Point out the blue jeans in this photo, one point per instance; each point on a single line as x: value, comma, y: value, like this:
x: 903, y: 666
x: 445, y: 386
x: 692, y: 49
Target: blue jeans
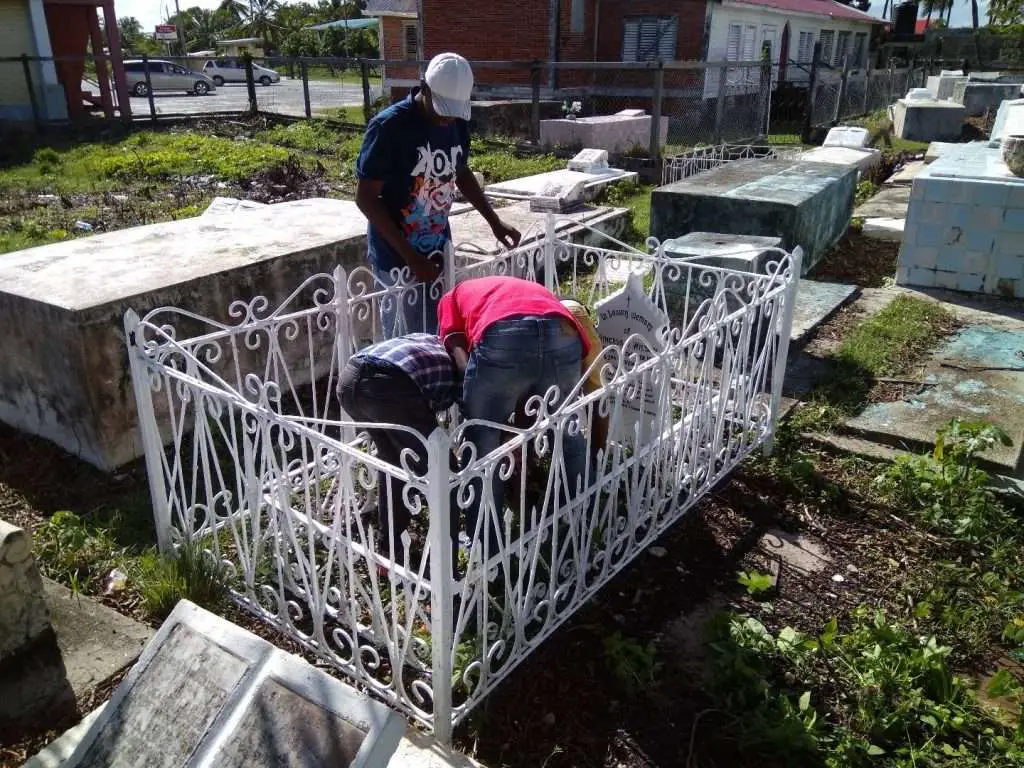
x: 515, y: 359
x: 413, y: 310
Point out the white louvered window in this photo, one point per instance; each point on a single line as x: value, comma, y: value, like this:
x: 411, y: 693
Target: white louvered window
x: 805, y: 48
x: 826, y: 38
x: 410, y: 41
x: 650, y: 38
x: 859, y: 49
x: 732, y: 46
x: 842, y: 49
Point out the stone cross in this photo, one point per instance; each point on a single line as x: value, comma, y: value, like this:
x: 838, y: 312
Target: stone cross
x: 627, y: 313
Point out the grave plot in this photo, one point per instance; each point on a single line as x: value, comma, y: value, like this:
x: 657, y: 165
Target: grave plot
x: 250, y: 459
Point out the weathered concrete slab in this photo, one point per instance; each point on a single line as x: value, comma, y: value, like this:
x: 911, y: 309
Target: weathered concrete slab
x: 529, y: 186
x: 795, y: 550
x: 853, y: 136
x: 23, y: 612
x: 615, y: 133
x: 979, y: 392
x: 886, y: 229
x: 806, y: 204
x: 1009, y: 121
x: 890, y: 202
x: 905, y: 176
x: 223, y: 206
x: 65, y: 373
x: 931, y: 120
x: 815, y: 303
x: 89, y: 644
x: 224, y: 696
x: 936, y: 150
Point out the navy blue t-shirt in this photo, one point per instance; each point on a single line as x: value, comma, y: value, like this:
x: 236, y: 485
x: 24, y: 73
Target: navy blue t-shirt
x: 418, y: 162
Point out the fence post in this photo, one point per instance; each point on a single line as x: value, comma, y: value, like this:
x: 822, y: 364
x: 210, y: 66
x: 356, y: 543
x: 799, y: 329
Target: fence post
x: 250, y: 83
x: 442, y: 581
x: 890, y: 83
x: 811, y: 95
x: 723, y: 84
x: 304, y: 73
x: 843, y: 85
x: 31, y: 90
x: 149, y: 430
x: 535, y: 75
x: 782, y: 356
x: 657, y: 105
x: 867, y: 87
x: 765, y: 89
x: 364, y: 73
x: 149, y: 88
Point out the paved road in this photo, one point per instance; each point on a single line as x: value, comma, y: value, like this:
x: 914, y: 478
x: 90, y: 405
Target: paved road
x: 284, y: 98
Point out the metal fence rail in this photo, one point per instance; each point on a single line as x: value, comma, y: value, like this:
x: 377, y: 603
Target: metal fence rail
x: 262, y: 472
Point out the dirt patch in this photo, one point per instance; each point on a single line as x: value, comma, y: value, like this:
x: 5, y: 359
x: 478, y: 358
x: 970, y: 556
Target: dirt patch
x: 859, y: 260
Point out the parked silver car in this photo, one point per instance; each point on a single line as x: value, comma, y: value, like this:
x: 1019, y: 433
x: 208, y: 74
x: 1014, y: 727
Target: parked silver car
x: 165, y: 76
x: 227, y: 70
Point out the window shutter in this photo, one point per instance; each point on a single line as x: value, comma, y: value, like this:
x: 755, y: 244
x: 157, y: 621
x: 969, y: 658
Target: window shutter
x: 827, y: 36
x: 667, y: 42
x: 843, y: 47
x: 630, y: 40
x: 806, y: 49
x: 411, y: 47
x: 749, y: 40
x: 858, y: 49
x: 648, y: 40
x: 732, y: 48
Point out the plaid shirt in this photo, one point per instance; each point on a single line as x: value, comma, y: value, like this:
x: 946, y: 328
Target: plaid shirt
x: 423, y: 358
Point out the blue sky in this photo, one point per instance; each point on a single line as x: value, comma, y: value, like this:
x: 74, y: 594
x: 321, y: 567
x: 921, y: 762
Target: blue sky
x: 151, y: 12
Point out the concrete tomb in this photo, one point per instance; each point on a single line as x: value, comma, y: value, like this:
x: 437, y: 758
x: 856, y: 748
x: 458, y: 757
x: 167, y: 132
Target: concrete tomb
x: 529, y: 186
x: 805, y: 204
x: 928, y: 120
x: 965, y: 226
x: 223, y: 696
x: 1009, y: 121
x: 941, y: 86
x: 614, y: 133
x: 978, y: 98
x: 625, y: 314
x: 65, y: 375
x: 221, y: 206
x: 708, y: 251
x: 936, y: 150
x: 558, y: 197
x: 862, y: 159
x: 852, y: 136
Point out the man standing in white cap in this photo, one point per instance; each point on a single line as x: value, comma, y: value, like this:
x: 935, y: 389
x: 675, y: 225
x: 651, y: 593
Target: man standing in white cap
x: 414, y: 155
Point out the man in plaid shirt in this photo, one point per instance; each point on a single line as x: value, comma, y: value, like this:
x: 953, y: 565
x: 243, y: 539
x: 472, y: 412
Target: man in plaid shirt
x: 407, y: 380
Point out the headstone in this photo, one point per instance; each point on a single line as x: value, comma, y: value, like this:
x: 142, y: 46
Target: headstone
x: 625, y: 314
x: 631, y: 112
x: 221, y: 206
x: 919, y: 94
x: 526, y: 187
x: 924, y: 120
x: 847, y: 136
x: 590, y: 161
x: 23, y: 612
x: 557, y: 197
x: 217, y: 690
x: 806, y: 204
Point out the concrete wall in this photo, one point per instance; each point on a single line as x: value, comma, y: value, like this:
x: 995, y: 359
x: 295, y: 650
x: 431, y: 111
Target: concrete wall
x: 23, y: 31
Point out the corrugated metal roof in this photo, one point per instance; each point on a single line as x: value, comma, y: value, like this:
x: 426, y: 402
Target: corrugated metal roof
x: 374, y: 7
x: 828, y: 8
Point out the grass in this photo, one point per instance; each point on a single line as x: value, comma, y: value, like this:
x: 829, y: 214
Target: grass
x: 637, y: 199
x: 879, y: 120
x: 888, y: 343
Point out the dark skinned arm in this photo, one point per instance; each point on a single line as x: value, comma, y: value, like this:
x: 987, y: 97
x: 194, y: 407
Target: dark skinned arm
x: 369, y: 201
x: 470, y: 189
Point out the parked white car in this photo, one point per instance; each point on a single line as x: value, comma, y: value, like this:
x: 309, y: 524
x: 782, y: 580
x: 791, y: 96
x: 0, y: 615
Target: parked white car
x: 233, y: 71
x: 165, y: 76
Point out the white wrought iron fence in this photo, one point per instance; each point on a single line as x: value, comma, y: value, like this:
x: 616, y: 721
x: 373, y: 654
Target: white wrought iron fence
x: 701, y: 159
x: 251, y: 459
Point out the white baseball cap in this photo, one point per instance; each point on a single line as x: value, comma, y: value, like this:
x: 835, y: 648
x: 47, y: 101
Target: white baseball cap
x: 450, y: 80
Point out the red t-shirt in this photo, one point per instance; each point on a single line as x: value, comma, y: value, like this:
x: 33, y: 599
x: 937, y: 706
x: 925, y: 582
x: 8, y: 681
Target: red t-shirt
x: 473, y: 306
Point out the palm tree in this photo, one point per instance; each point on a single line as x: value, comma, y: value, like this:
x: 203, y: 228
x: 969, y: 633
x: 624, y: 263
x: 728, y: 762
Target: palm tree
x: 261, y: 20
x: 236, y: 10
x: 206, y: 28
x: 974, y: 13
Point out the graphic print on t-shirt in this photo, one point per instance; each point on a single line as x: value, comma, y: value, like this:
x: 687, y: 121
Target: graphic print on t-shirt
x: 425, y: 217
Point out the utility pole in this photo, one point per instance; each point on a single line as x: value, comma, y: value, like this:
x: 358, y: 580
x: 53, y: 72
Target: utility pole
x: 179, y: 27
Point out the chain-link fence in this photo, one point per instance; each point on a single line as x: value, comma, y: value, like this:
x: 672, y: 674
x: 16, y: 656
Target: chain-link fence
x: 649, y: 109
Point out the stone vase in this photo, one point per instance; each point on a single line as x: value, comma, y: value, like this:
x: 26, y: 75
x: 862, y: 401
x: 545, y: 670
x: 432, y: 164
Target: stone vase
x: 1013, y: 154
